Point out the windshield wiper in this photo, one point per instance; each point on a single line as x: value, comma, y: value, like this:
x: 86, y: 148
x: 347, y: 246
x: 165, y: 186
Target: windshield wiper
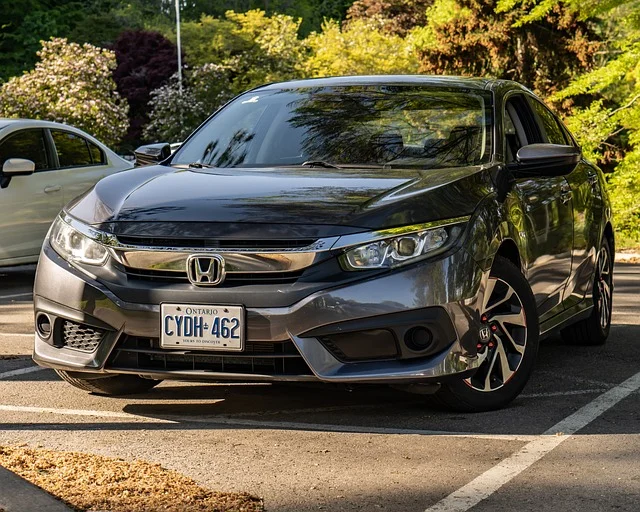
x: 198, y: 165
x: 319, y: 163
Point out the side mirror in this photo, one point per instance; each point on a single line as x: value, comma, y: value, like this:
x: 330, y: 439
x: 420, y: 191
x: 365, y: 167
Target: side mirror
x: 152, y: 153
x: 546, y: 160
x: 18, y: 167
x: 15, y: 167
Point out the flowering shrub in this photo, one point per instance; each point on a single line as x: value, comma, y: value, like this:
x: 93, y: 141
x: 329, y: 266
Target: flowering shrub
x: 175, y: 114
x: 70, y: 84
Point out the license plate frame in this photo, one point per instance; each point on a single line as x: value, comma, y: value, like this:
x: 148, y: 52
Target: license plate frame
x: 208, y: 313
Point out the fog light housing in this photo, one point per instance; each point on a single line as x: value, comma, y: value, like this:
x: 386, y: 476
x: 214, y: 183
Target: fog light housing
x: 418, y: 338
x: 43, y: 325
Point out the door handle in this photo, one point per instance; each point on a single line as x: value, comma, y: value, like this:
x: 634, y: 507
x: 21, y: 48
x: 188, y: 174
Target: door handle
x: 52, y: 188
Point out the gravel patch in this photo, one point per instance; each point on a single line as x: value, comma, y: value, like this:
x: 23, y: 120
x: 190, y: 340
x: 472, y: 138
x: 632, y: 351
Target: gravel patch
x: 94, y: 483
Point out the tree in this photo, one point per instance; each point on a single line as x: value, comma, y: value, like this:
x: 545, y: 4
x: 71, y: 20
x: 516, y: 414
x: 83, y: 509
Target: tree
x: 176, y: 113
x: 469, y: 37
x: 25, y: 23
x: 71, y: 84
x: 311, y: 12
x: 605, y: 103
x: 146, y: 60
x: 395, y: 16
x: 22, y: 27
x: 256, y: 48
x: 359, y: 48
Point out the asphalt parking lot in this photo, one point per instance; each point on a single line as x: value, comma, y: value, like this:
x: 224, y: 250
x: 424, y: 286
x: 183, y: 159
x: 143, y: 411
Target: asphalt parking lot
x: 571, y: 441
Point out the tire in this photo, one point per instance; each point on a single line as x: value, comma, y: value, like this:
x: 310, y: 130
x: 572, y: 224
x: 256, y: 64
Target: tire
x: 512, y: 344
x: 594, y: 330
x: 111, y: 385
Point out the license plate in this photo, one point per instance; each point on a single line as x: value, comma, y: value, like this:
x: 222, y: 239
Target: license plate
x: 200, y: 327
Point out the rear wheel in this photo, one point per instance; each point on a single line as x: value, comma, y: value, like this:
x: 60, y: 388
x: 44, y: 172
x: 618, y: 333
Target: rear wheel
x: 509, y: 345
x: 594, y: 330
x: 110, y: 385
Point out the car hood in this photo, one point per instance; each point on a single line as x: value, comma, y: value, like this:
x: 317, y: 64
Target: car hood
x: 340, y: 200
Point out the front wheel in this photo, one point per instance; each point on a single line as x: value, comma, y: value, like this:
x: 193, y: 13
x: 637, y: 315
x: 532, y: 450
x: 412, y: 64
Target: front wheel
x: 508, y: 342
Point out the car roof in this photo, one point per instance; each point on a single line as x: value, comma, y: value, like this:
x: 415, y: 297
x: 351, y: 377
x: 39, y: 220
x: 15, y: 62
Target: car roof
x: 12, y: 125
x: 432, y: 80
x: 34, y: 123
x: 16, y: 124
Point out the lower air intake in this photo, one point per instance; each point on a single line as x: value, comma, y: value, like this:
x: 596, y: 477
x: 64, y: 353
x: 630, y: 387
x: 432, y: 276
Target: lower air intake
x: 80, y: 337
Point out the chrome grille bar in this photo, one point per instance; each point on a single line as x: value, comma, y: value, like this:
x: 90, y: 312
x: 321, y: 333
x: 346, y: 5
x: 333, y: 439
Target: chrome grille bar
x: 176, y: 261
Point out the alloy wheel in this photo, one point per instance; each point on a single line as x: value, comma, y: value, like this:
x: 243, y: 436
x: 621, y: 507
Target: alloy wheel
x: 603, y: 283
x: 505, y: 337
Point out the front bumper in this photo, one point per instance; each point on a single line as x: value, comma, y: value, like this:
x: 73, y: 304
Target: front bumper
x: 443, y: 291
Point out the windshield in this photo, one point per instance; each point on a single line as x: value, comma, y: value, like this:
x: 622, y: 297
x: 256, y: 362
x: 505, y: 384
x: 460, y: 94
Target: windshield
x: 347, y: 126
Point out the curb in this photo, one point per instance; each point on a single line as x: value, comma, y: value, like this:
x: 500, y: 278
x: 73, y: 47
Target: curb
x: 627, y: 257
x: 18, y: 495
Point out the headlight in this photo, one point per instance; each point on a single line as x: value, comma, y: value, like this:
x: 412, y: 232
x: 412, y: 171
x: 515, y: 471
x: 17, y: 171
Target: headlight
x: 392, y: 251
x: 75, y: 246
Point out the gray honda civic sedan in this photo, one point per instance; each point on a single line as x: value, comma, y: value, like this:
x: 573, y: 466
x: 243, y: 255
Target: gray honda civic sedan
x: 421, y: 232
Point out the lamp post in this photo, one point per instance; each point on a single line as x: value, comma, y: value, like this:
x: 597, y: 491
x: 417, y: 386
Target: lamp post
x: 179, y: 45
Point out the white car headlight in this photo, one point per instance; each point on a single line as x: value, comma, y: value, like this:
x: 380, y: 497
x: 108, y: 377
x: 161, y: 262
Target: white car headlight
x: 74, y: 246
x: 392, y: 251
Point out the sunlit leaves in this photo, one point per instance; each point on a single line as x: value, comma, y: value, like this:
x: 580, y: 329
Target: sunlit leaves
x: 71, y: 84
x: 359, y: 48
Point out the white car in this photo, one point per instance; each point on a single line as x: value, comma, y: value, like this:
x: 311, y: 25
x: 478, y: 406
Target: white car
x: 44, y: 165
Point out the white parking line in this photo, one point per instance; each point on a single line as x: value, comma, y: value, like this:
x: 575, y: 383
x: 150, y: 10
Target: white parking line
x: 565, y: 393
x: 483, y: 486
x: 21, y: 371
x: 15, y: 295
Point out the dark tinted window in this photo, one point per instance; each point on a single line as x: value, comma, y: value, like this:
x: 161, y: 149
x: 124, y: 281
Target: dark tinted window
x: 349, y: 125
x: 512, y: 138
x: 28, y: 144
x: 97, y: 156
x: 550, y: 127
x: 73, y: 150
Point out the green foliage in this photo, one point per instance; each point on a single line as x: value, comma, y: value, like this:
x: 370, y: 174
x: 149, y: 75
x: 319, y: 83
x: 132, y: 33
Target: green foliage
x: 272, y: 50
x: 312, y: 12
x: 394, y: 16
x: 624, y: 187
x: 71, y: 84
x: 25, y: 23
x: 360, y: 48
x: 258, y: 48
x: 468, y: 37
x: 604, y: 104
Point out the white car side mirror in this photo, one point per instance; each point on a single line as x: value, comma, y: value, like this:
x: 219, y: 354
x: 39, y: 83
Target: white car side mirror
x: 18, y: 167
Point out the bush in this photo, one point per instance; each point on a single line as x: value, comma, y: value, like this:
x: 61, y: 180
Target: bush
x: 175, y: 114
x: 360, y: 48
x: 70, y: 84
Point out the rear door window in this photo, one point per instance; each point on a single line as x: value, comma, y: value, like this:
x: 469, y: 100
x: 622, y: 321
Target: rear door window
x: 73, y: 150
x: 97, y: 156
x: 27, y: 144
